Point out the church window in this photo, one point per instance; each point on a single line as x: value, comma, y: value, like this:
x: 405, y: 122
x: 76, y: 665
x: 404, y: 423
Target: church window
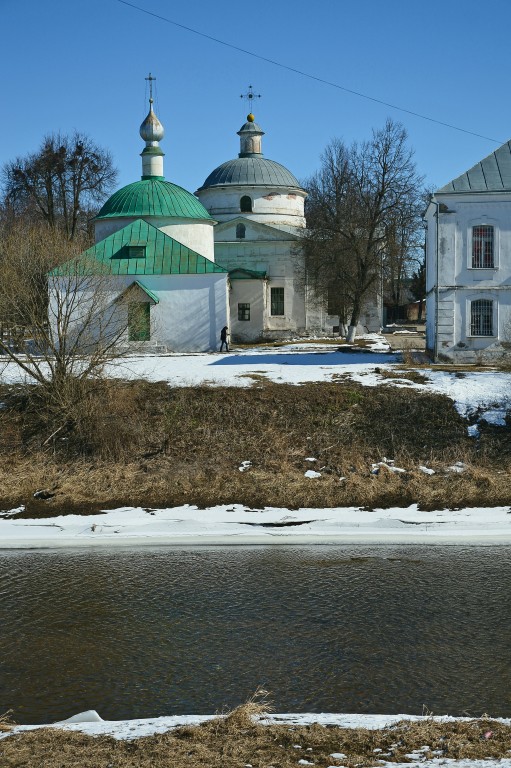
x: 277, y: 301
x: 482, y: 247
x: 246, y: 204
x: 139, y: 321
x: 240, y: 231
x: 481, y: 317
x: 244, y: 311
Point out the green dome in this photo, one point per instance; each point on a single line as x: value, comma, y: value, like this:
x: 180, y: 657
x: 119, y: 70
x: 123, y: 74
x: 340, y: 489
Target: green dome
x: 153, y: 197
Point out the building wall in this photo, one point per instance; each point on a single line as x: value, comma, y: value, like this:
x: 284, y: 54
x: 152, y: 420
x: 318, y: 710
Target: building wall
x: 453, y: 283
x: 272, y: 207
x: 189, y: 315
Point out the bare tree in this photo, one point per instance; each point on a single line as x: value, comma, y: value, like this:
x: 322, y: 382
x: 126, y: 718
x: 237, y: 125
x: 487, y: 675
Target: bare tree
x: 60, y: 322
x: 355, y: 203
x: 62, y: 183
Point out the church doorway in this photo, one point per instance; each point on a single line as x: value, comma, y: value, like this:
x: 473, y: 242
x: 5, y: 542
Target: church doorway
x: 139, y: 321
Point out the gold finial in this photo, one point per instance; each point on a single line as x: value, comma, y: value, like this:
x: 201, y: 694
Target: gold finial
x: 250, y: 118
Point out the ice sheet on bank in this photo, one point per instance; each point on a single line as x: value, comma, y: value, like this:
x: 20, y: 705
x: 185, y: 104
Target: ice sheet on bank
x: 235, y: 524
x: 135, y: 729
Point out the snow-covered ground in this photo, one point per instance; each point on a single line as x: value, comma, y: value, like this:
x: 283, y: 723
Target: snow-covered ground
x: 474, y: 392
x: 92, y: 724
x: 238, y: 525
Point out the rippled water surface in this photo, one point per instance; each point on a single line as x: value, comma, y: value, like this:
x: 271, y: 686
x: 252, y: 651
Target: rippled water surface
x: 172, y: 631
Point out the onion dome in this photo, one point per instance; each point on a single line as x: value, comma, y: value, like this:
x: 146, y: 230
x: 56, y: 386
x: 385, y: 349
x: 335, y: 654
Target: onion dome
x: 151, y: 130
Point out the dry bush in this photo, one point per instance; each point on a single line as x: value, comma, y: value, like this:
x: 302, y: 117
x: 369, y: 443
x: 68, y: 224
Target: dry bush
x: 221, y: 745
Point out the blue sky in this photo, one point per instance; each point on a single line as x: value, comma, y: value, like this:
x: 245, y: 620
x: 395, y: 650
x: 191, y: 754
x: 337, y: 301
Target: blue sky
x: 81, y: 64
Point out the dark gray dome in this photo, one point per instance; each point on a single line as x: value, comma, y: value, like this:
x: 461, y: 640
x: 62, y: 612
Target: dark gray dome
x: 252, y: 171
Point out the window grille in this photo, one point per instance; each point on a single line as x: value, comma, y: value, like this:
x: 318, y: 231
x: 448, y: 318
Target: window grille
x: 240, y: 231
x: 277, y: 301
x: 243, y: 311
x: 482, y: 247
x: 246, y: 204
x: 481, y: 317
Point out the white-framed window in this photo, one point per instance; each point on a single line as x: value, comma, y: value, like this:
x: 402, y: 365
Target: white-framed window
x: 481, y: 317
x: 243, y: 311
x: 483, y: 246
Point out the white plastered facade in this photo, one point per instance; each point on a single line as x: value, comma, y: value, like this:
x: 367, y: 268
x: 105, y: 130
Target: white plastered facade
x: 456, y: 287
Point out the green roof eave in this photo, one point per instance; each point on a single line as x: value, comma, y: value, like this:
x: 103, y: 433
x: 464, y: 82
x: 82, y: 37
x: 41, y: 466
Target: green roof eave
x: 247, y: 274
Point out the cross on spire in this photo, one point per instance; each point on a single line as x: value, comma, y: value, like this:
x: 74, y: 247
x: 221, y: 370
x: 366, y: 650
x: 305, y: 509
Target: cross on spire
x: 250, y: 96
x: 150, y: 80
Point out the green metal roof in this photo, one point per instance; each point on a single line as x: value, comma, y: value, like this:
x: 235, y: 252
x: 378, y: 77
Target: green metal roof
x: 153, y: 197
x: 163, y: 255
x: 492, y: 174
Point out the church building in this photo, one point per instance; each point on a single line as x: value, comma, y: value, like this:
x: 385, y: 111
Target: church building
x: 185, y: 266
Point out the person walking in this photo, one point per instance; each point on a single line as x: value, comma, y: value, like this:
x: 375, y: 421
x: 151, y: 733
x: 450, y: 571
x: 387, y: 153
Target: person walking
x: 223, y: 339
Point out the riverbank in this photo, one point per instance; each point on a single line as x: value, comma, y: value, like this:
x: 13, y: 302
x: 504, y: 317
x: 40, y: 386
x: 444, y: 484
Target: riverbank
x: 235, y: 525
x: 248, y: 737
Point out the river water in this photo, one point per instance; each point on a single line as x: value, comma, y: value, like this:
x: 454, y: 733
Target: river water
x: 147, y: 632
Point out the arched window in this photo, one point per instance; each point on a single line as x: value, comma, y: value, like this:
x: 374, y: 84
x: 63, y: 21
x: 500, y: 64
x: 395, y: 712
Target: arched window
x: 246, y: 204
x: 240, y: 231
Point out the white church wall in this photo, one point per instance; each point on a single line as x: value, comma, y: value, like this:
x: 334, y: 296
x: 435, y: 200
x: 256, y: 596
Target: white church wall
x: 191, y: 309
x: 268, y: 206
x: 253, y: 294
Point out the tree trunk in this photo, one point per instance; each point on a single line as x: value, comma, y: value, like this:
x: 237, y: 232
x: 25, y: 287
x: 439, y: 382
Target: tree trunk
x: 352, y: 331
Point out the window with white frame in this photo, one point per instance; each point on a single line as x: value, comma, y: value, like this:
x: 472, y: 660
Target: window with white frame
x: 483, y: 247
x: 277, y: 301
x: 243, y: 311
x: 481, y: 317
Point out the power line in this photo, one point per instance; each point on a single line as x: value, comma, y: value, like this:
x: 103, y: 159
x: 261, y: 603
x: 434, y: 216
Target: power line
x: 306, y: 74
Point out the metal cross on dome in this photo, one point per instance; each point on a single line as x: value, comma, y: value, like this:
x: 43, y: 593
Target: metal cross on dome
x: 150, y: 80
x: 250, y: 96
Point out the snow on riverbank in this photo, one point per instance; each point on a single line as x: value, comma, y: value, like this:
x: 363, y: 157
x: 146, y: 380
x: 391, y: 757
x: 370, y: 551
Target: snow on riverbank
x: 92, y: 724
x: 235, y: 524
x: 297, y: 363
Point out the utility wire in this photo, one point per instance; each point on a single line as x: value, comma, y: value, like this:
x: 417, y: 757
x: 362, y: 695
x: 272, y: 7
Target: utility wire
x: 306, y: 74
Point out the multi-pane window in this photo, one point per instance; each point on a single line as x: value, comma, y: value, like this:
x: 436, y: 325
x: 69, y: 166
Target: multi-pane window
x: 136, y: 251
x: 482, y: 247
x: 277, y: 301
x: 244, y: 311
x: 240, y: 231
x: 481, y: 317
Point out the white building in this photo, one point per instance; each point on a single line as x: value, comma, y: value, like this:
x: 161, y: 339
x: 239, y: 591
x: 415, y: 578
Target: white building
x: 468, y: 263
x: 154, y: 241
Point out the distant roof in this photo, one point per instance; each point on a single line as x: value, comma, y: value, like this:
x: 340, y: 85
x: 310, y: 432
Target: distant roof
x: 162, y: 255
x: 153, y: 197
x: 251, y: 171
x: 493, y: 174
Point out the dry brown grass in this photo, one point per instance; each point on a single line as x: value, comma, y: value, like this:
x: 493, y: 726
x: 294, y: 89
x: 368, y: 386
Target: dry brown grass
x: 146, y: 443
x: 240, y: 740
